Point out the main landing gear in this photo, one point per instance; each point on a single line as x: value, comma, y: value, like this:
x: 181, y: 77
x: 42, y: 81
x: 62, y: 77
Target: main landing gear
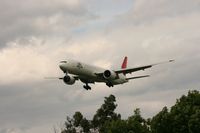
x: 109, y: 84
x: 87, y: 87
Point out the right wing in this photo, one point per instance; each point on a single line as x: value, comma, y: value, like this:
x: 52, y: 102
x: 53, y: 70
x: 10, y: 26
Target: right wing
x: 130, y: 70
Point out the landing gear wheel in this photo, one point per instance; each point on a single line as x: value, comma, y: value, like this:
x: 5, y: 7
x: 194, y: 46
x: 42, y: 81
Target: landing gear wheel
x: 109, y: 84
x: 87, y: 87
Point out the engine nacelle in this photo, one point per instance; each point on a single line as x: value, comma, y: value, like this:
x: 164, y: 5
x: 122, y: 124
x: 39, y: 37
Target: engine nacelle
x: 69, y: 80
x: 109, y: 75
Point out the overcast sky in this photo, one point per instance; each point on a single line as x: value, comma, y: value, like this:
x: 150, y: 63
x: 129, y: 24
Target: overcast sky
x: 35, y: 35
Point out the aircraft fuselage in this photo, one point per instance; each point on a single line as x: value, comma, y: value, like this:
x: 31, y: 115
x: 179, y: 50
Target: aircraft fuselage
x: 87, y: 73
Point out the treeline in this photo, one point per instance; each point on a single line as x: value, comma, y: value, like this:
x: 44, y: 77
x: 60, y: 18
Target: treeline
x: 183, y: 117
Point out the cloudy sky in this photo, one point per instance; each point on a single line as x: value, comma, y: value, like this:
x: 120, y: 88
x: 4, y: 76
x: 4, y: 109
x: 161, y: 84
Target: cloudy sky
x: 35, y: 35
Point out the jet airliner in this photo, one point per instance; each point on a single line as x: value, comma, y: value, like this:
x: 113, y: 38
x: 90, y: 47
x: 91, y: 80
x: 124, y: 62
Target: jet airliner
x: 89, y: 74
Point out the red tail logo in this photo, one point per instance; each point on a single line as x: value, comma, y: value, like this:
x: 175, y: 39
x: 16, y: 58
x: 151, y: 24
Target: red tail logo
x: 124, y: 64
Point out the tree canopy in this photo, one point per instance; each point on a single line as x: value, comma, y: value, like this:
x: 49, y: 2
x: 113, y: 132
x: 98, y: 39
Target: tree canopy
x: 183, y: 117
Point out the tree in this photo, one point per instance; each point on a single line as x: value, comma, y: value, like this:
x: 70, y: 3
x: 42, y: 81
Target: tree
x: 194, y: 123
x: 69, y: 124
x: 105, y: 113
x: 184, y: 111
x: 77, y: 124
x: 134, y: 124
x: 78, y: 117
x: 184, y: 116
x: 137, y: 124
x: 116, y: 126
x: 85, y: 124
x: 161, y: 123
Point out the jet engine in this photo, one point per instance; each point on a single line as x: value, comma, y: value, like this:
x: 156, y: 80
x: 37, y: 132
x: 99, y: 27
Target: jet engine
x: 69, y: 80
x: 109, y: 75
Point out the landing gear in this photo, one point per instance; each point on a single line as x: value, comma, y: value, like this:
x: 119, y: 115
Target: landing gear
x: 109, y: 84
x: 87, y: 87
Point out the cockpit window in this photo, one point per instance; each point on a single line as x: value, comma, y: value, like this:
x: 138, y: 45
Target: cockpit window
x: 63, y: 62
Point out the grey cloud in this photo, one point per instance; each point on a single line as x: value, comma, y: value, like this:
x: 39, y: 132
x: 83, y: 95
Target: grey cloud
x: 35, y: 18
x: 144, y: 11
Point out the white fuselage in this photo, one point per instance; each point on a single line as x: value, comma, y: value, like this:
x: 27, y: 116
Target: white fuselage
x: 87, y: 73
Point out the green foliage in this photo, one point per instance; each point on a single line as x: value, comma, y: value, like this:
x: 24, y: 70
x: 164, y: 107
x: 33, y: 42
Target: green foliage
x: 134, y: 124
x: 78, y: 117
x: 116, y: 126
x: 184, y: 111
x: 85, y: 124
x: 77, y: 123
x: 161, y: 122
x: 69, y: 124
x: 137, y: 124
x: 184, y: 117
x: 105, y: 113
x: 194, y: 123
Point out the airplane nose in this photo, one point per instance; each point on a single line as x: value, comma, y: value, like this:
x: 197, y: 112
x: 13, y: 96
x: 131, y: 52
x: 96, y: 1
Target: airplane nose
x: 62, y: 67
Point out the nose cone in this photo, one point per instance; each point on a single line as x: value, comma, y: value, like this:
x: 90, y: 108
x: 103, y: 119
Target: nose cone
x: 62, y: 66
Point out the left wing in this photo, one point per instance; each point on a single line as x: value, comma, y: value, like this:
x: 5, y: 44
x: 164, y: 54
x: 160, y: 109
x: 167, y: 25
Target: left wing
x: 130, y: 70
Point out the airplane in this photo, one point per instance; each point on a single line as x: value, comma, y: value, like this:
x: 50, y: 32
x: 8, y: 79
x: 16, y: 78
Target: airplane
x: 88, y: 74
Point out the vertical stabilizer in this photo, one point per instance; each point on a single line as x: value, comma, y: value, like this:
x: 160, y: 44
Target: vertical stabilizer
x: 124, y: 64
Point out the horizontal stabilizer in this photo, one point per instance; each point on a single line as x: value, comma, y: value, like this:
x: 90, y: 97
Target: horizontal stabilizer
x: 138, y: 77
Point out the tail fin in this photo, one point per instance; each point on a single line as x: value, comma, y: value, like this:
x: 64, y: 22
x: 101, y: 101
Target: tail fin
x: 124, y: 64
